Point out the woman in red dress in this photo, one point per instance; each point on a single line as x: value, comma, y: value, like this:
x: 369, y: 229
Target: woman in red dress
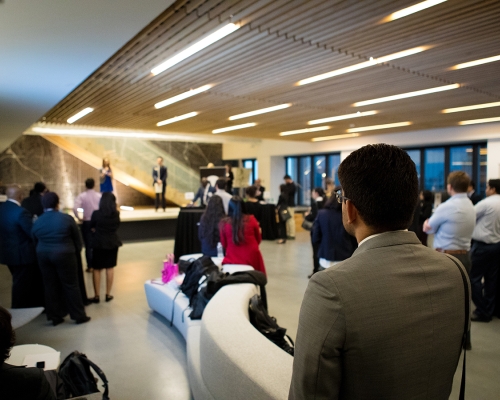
x: 240, y: 236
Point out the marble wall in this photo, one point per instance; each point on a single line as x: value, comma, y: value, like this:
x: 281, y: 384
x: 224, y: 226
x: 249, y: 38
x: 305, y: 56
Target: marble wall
x: 194, y: 155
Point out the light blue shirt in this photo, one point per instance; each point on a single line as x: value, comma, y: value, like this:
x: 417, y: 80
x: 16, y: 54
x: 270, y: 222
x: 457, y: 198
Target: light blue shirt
x: 453, y: 223
x: 488, y: 220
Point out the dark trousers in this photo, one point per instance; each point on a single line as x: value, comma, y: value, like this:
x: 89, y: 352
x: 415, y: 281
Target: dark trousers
x: 316, y: 265
x: 281, y: 229
x: 87, y: 240
x: 62, y: 293
x: 161, y: 196
x: 485, y: 263
x: 27, y: 286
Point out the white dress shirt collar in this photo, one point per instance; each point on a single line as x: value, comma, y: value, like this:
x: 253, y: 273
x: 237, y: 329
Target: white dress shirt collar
x: 14, y: 201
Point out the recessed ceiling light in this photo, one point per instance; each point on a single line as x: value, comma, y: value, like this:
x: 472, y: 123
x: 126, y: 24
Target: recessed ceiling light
x: 406, y: 95
x: 200, y: 45
x: 479, y: 121
x: 325, y: 138
x: 365, y: 64
x: 97, y: 133
x: 179, y: 118
x: 261, y: 111
x: 476, y: 62
x: 233, y: 128
x: 474, y: 107
x: 341, y: 117
x: 307, y: 130
x: 79, y: 115
x: 375, y: 127
x: 182, y: 96
x: 412, y: 10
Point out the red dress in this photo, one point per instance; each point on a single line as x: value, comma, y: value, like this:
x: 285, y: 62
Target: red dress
x: 247, y: 252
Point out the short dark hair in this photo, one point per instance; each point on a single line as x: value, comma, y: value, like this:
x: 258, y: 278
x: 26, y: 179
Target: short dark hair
x: 320, y: 191
x: 459, y: 181
x: 7, y: 334
x: 50, y: 200
x: 287, y: 177
x: 221, y: 183
x: 251, y: 191
x: 39, y: 187
x: 494, y: 184
x: 381, y: 181
x: 89, y: 183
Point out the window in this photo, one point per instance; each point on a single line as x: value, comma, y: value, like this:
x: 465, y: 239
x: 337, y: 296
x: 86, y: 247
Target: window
x: 461, y: 159
x: 333, y: 167
x: 291, y: 167
x: 304, y: 192
x: 251, y: 164
x: 481, y: 178
x: 319, y: 171
x: 415, y: 156
x: 434, y: 170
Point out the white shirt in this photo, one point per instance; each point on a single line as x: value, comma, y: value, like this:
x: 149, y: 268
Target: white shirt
x: 487, y: 228
x: 89, y: 201
x: 14, y: 201
x: 225, y: 196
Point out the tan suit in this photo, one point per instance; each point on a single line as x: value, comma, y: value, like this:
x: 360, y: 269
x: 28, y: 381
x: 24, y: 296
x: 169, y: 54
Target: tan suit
x: 385, y: 324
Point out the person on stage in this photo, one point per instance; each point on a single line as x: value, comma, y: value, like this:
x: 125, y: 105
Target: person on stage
x: 160, y: 174
x: 106, y: 176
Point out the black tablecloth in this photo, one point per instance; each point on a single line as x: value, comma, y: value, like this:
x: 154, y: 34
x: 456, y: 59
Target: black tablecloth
x: 186, y: 234
x: 268, y: 222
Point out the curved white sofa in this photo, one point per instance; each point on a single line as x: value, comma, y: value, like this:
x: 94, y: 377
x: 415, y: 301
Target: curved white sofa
x: 227, y: 357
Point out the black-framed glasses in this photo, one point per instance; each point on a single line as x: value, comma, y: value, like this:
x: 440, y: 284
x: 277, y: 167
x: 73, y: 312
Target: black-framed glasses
x: 340, y: 197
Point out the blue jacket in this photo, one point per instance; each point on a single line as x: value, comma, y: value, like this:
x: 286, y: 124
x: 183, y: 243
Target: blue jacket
x: 201, y: 192
x: 56, y: 232
x: 16, y: 245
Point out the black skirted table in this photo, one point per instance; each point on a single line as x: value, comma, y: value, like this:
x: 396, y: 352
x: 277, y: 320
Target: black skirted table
x: 186, y: 234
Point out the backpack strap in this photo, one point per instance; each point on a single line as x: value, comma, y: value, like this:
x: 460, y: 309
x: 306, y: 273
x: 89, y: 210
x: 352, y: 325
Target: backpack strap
x: 101, y: 375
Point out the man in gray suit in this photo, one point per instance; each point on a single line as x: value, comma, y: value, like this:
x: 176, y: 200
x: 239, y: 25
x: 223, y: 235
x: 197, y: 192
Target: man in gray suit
x: 388, y: 322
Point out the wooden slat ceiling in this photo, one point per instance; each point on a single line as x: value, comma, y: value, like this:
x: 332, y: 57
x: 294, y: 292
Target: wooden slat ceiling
x: 281, y: 42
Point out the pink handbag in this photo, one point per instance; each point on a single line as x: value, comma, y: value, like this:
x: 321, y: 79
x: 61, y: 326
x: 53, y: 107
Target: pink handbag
x: 170, y: 270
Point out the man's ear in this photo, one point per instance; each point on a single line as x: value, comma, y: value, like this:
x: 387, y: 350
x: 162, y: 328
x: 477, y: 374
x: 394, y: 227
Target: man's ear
x: 352, y: 212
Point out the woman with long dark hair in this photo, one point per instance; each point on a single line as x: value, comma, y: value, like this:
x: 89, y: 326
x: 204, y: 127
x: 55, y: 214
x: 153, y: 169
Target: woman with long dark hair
x: 105, y: 242
x: 208, y: 231
x: 252, y: 205
x: 240, y: 236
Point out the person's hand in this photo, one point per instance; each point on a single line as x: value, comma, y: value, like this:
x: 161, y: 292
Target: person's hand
x: 426, y: 228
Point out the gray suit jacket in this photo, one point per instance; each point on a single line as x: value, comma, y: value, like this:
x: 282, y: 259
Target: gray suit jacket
x: 385, y: 324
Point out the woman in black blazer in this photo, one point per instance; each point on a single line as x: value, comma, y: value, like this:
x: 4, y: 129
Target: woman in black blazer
x: 317, y: 203
x: 282, y: 204
x: 104, y: 223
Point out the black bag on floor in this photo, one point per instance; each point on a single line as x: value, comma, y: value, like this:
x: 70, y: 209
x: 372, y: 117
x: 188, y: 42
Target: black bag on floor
x: 197, y: 271
x: 268, y: 326
x: 77, y: 378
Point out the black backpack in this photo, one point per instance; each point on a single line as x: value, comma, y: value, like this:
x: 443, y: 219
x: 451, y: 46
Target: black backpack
x: 207, y: 289
x: 268, y: 326
x: 77, y: 378
x: 196, y: 272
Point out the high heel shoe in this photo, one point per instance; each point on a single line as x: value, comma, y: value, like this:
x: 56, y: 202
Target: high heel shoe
x: 95, y: 299
x: 109, y: 297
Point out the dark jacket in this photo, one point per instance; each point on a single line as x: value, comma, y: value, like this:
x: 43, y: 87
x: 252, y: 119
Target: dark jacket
x: 20, y: 383
x: 163, y: 174
x: 335, y: 244
x: 260, y: 197
x: 16, y: 245
x: 422, y: 212
x: 475, y: 198
x: 33, y: 204
x: 206, y: 248
x: 315, y: 207
x: 201, y: 192
x: 105, y: 226
x: 255, y: 209
x: 291, y: 189
x: 56, y: 232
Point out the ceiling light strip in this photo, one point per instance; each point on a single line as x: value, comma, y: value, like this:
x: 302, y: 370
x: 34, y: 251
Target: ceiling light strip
x: 376, y: 127
x: 233, y: 128
x: 476, y: 62
x: 198, y: 46
x: 342, y: 117
x: 325, y: 138
x: 406, y: 95
x: 261, y: 111
x: 473, y: 107
x: 365, y: 64
x: 179, y: 118
x: 412, y: 9
x: 479, y: 121
x: 307, y: 130
x: 79, y: 115
x: 182, y: 96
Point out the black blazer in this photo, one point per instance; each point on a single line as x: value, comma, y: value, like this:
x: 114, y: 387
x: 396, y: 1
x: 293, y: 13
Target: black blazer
x: 33, y: 204
x: 56, y: 232
x: 105, y: 226
x: 20, y: 383
x: 163, y: 174
x: 291, y: 189
x: 261, y: 189
x: 475, y: 198
x: 16, y: 244
x: 254, y: 209
x: 315, y: 207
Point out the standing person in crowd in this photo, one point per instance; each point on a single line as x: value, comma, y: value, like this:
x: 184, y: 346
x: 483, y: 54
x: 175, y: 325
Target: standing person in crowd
x: 220, y: 190
x: 252, y: 205
x: 282, y: 205
x: 105, y: 242
x: 160, y: 175
x: 423, y: 211
x: 229, y: 179
x: 291, y: 189
x: 260, y: 190
x: 485, y: 254
x: 472, y: 194
x: 57, y: 241
x: 204, y: 193
x: 361, y: 319
x: 17, y: 251
x: 33, y: 203
x: 19, y: 383
x: 106, y: 176
x: 88, y: 201
x: 329, y: 188
x: 240, y: 236
x: 317, y: 203
x: 208, y: 231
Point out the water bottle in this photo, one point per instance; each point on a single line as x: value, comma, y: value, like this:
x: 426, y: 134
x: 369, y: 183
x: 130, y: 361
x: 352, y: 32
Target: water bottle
x: 220, y: 250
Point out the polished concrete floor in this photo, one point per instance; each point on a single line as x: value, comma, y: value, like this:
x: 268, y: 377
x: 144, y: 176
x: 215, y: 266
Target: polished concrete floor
x: 144, y: 358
